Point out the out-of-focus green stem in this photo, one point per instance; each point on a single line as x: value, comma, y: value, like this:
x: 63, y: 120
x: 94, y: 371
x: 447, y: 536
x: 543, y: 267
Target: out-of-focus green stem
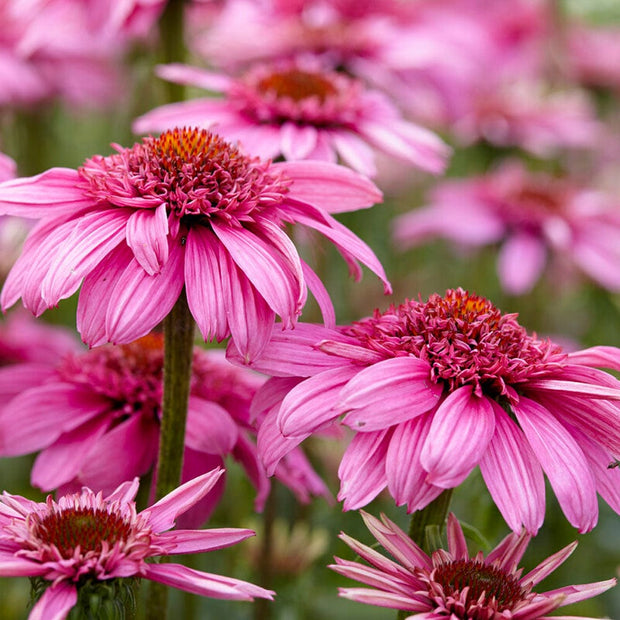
x: 178, y: 352
x: 172, y: 37
x: 262, y: 607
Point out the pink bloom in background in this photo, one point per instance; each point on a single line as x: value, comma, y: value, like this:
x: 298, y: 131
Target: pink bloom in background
x: 433, y: 390
x: 451, y: 583
x: 85, y: 538
x: 594, y: 56
x: 532, y: 216
x: 95, y: 417
x: 189, y: 210
x: 300, y: 111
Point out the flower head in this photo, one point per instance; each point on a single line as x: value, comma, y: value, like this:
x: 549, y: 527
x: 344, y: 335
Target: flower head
x: 184, y: 210
x: 102, y: 423
x: 84, y: 538
x: 450, y: 583
x: 301, y: 111
x: 532, y: 215
x: 433, y: 389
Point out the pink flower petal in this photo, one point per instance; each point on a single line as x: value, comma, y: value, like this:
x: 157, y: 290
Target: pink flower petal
x: 140, y: 301
x: 604, y: 357
x: 321, y: 295
x: 162, y: 515
x: 362, y: 469
x: 56, y: 602
x: 311, y: 404
x: 513, y: 475
x: 18, y: 378
x: 147, y: 232
x: 388, y: 393
x: 209, y: 427
x: 382, y: 599
x: 193, y: 76
x: 520, y: 262
x: 11, y: 566
x: 447, y: 458
x: 355, y: 152
x: 205, y: 584
x: 53, y: 193
x: 200, y: 541
x: 297, y: 142
x: 575, y: 593
x: 330, y: 187
x: 563, y: 461
x: 204, y: 286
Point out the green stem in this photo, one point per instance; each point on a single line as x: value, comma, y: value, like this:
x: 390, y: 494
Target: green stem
x: 425, y: 526
x: 178, y: 353
x: 172, y: 37
x: 262, y: 607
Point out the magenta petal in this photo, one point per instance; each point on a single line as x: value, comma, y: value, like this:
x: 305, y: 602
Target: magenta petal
x: 162, y: 515
x: 11, y: 566
x: 203, y: 283
x: 388, y: 393
x: 311, y: 404
x: 276, y: 275
x: 563, y: 461
x: 520, y: 262
x: 460, y: 432
x: 405, y: 476
x: 362, y: 469
x: 140, y: 301
x: 61, y: 462
x: 52, y: 193
x: 200, y: 541
x: 513, y: 475
x: 18, y: 378
x: 209, y: 427
x: 605, y: 357
x: 193, y: 76
x: 328, y: 186
x: 297, y: 142
x: 321, y: 295
x: 355, y: 152
x: 37, y: 417
x: 92, y: 237
x: 205, y: 584
x: 147, y: 236
x: 56, y: 602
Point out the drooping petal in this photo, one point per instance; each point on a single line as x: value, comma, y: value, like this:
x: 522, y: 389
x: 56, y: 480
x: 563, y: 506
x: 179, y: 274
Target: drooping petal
x: 388, y: 393
x: 602, y: 356
x: 147, y: 231
x: 381, y: 599
x: 520, y: 262
x: 200, y: 541
x: 563, y: 461
x: 193, y: 76
x: 56, y: 602
x: 445, y: 456
x: 210, y: 427
x: 362, y: 469
x: 354, y: 152
x: 513, y: 475
x: 316, y: 287
x: 12, y: 566
x: 297, y: 142
x: 205, y: 584
x: 161, y: 516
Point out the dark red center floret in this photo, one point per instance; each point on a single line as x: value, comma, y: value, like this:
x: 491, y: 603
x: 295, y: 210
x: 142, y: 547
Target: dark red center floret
x: 297, y: 84
x: 85, y: 528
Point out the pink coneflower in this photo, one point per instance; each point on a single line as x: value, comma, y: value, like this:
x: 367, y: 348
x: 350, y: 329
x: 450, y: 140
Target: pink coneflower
x: 450, y: 584
x: 532, y: 215
x: 95, y: 417
x: 434, y: 389
x: 189, y: 210
x: 300, y: 111
x: 84, y: 538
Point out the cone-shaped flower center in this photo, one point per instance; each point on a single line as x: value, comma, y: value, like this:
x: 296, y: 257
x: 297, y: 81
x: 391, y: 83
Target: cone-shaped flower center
x: 297, y: 84
x: 487, y: 586
x: 130, y: 375
x: 194, y: 172
x: 465, y: 339
x: 83, y: 527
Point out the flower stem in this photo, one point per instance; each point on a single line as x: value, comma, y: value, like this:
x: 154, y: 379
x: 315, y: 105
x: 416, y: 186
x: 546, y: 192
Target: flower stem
x: 262, y: 607
x: 172, y: 40
x: 178, y: 353
x: 425, y: 526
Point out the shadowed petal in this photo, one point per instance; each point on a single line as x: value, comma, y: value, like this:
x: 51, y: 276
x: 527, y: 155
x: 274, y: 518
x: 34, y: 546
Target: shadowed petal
x: 56, y: 602
x: 147, y: 231
x: 209, y: 427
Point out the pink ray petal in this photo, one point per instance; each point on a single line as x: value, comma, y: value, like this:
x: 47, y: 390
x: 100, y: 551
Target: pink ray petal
x: 575, y: 593
x: 321, y: 295
x: 388, y: 393
x: 587, y: 390
x: 521, y: 262
x: 355, y: 152
x: 200, y: 541
x: 193, y: 76
x: 11, y: 566
x: 605, y: 357
x: 445, y: 456
x: 18, y: 378
x: 297, y: 142
x: 545, y: 568
x: 382, y: 599
x: 334, y: 189
x: 147, y: 232
x: 563, y: 461
x: 210, y: 427
x: 513, y: 475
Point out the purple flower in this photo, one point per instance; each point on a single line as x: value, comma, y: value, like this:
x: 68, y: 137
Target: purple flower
x: 433, y: 390
x: 185, y: 210
x: 452, y: 585
x: 85, y: 537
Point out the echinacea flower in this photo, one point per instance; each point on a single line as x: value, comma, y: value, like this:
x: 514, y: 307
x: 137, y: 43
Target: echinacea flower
x: 95, y: 418
x: 453, y: 585
x: 85, y: 538
x: 184, y: 210
x: 433, y: 389
x: 301, y: 111
x: 532, y: 215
